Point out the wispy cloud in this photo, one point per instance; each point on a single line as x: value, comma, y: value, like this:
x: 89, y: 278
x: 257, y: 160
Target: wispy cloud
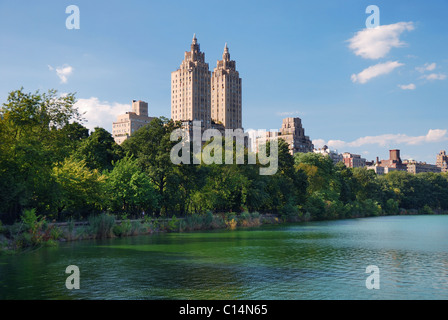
x: 434, y: 76
x: 433, y: 135
x: 62, y: 72
x: 288, y: 113
x: 375, y: 71
x: 427, y: 67
x: 410, y: 86
x: 375, y: 43
x: 100, y: 113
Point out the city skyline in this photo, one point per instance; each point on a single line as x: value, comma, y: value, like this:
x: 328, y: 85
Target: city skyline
x: 314, y: 61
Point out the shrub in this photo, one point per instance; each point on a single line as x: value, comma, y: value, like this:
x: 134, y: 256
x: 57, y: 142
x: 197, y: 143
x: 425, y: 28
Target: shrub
x: 173, y: 224
x: 231, y: 224
x: 34, y: 224
x: 117, y: 230
x: 55, y: 233
x: 289, y: 212
x: 147, y: 226
x: 194, y: 222
x: 426, y: 210
x: 101, y: 226
x: 208, y: 219
x: 391, y: 207
x: 126, y: 227
x: 136, y: 228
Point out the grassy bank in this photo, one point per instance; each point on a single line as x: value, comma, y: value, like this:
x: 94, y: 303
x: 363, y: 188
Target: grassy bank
x: 33, y: 231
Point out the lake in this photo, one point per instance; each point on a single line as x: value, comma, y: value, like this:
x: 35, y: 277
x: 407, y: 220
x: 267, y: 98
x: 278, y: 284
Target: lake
x: 315, y: 260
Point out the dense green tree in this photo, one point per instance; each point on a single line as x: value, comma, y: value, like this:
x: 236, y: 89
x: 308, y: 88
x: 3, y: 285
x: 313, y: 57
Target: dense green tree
x: 30, y: 126
x: 129, y: 189
x: 99, y: 150
x: 79, y: 190
x: 367, y: 186
x: 151, y: 146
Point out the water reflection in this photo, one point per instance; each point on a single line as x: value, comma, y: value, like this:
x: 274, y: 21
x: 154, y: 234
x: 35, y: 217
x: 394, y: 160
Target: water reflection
x: 320, y: 260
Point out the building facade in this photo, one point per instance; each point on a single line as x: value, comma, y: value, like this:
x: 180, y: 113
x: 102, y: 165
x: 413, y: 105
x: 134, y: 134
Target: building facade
x: 353, y: 160
x: 130, y: 122
x: 190, y: 88
x: 226, y: 97
x: 442, y: 161
x: 293, y: 133
x: 334, y: 155
x: 418, y: 167
x: 378, y: 169
x: 394, y: 162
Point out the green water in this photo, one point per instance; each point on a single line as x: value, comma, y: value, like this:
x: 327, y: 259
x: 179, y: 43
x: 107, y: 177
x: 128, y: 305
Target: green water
x: 320, y: 260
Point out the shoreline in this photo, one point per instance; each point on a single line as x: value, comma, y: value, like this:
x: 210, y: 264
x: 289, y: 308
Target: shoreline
x: 84, y: 230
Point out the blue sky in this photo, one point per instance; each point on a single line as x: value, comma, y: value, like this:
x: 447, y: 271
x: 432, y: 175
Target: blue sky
x: 355, y: 90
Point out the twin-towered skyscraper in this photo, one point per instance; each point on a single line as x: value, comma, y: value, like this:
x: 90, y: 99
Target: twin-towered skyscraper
x: 199, y: 95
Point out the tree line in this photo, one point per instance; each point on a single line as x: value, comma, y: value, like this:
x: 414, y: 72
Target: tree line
x: 51, y: 163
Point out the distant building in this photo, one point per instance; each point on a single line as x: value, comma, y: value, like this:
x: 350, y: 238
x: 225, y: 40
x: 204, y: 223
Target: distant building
x: 190, y: 88
x: 394, y: 162
x: 418, y: 167
x: 334, y: 155
x: 442, y: 161
x: 130, y: 122
x: 378, y: 169
x: 353, y: 160
x: 226, y: 93
x: 293, y: 133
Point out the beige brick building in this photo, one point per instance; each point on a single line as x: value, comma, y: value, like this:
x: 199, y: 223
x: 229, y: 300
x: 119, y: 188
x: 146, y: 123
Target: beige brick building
x: 442, y: 161
x: 293, y: 132
x: 418, y: 167
x: 190, y: 88
x: 226, y: 93
x: 130, y: 122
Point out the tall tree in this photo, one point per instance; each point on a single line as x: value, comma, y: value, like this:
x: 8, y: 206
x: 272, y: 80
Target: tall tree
x: 99, y: 150
x: 30, y: 125
x: 151, y: 146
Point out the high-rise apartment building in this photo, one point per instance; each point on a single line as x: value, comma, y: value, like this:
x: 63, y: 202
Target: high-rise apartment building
x: 130, y: 122
x: 226, y: 93
x: 190, y: 88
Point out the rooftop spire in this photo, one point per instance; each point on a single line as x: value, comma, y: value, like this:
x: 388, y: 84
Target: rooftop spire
x: 194, y: 39
x: 226, y: 54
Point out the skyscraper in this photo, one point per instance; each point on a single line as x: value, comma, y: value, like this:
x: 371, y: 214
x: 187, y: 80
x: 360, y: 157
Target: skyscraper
x: 226, y: 93
x: 190, y: 88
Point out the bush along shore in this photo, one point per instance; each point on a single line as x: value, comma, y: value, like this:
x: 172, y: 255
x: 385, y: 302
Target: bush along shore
x: 34, y: 231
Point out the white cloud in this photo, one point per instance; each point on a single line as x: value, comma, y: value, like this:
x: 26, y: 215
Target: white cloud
x: 433, y: 135
x: 62, y: 72
x: 375, y: 43
x: 434, y: 76
x: 288, y: 113
x: 100, y: 113
x: 410, y: 86
x: 427, y: 67
x: 375, y: 71
x: 319, y: 143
